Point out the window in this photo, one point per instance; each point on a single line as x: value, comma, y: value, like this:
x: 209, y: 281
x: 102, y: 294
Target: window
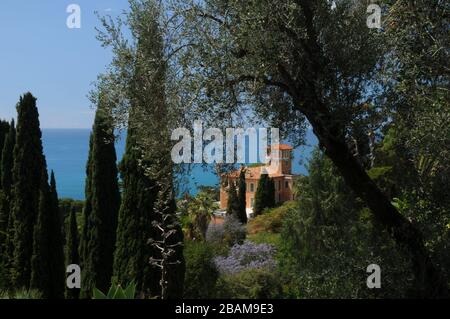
x: 252, y: 201
x: 252, y: 187
x: 286, y: 185
x: 279, y: 185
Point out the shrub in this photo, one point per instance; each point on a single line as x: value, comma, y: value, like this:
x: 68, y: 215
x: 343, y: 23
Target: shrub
x: 247, y: 256
x: 116, y: 292
x: 231, y: 232
x: 251, y: 284
x: 266, y: 238
x: 271, y: 220
x: 201, y: 274
x: 215, y: 233
x: 22, y: 294
x: 234, y: 231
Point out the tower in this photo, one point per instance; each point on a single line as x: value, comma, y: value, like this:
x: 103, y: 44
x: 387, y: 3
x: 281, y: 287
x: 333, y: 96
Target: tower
x: 280, y: 159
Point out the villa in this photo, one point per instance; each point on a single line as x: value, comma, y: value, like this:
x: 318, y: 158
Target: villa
x: 279, y: 169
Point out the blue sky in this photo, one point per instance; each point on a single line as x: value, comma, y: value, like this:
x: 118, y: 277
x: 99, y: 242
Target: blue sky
x: 40, y: 54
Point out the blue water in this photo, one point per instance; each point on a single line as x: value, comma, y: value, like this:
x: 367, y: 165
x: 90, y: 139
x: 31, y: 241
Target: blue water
x: 67, y: 150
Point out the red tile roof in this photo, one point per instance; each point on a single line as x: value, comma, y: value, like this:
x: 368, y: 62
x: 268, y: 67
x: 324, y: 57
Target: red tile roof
x: 251, y: 173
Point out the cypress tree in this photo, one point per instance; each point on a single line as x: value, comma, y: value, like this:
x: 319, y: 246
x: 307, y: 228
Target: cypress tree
x: 27, y: 177
x: 40, y: 260
x: 72, y: 254
x: 265, y: 194
x: 102, y: 205
x: 7, y: 160
x: 56, y: 252
x: 259, y: 195
x: 233, y: 204
x: 270, y: 202
x: 147, y: 167
x: 6, y: 230
x: 4, y: 130
x: 242, y: 213
x: 87, y: 209
x: 47, y: 262
x: 132, y: 255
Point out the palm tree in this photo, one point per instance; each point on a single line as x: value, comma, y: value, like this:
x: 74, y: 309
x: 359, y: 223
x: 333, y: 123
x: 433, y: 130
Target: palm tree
x: 200, y: 211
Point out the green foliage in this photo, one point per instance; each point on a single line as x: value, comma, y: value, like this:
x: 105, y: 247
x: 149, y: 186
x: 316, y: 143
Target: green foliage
x: 6, y: 220
x: 7, y: 159
x: 228, y: 233
x: 233, y: 205
x: 417, y: 142
x: 40, y: 261
x: 265, y: 195
x: 135, y: 224
x: 116, y: 292
x: 102, y: 204
x: 140, y: 102
x: 48, y: 271
x: 201, y: 273
x: 27, y: 176
x: 328, y: 240
x: 285, y: 62
x: 263, y: 237
x: 4, y: 130
x: 67, y: 204
x: 242, y: 188
x: 272, y: 219
x: 200, y: 211
x: 415, y: 186
x: 233, y: 231
x: 212, y: 191
x: 56, y: 256
x: 22, y: 294
x: 250, y: 284
x: 72, y: 254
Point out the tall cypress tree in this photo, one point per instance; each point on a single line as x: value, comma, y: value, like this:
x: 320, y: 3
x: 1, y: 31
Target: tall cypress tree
x: 131, y: 259
x: 265, y: 194
x: 233, y: 205
x: 102, y: 205
x: 47, y: 262
x: 27, y: 177
x: 72, y: 254
x: 147, y: 163
x: 271, y: 193
x: 40, y: 260
x: 87, y: 209
x: 6, y: 162
x: 4, y: 130
x: 56, y: 253
x: 242, y: 213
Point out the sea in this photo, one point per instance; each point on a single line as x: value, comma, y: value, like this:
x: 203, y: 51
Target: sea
x: 66, y: 151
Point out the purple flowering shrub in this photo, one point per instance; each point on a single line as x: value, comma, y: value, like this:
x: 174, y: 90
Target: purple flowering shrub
x: 231, y: 232
x: 247, y: 256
